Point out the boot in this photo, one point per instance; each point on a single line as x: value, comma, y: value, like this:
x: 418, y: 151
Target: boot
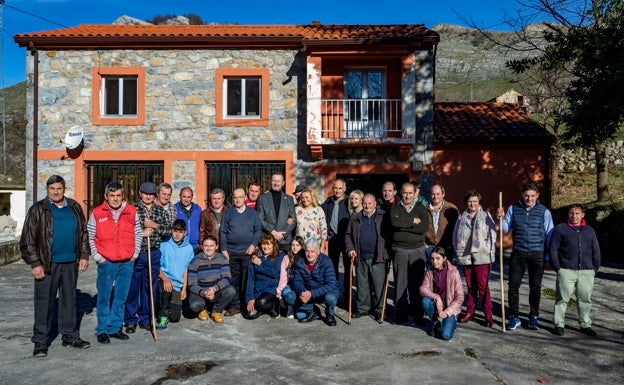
x: 467, y: 317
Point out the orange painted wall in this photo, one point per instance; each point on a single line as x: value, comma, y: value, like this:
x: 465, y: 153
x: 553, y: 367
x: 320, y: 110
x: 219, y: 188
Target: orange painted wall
x: 490, y: 169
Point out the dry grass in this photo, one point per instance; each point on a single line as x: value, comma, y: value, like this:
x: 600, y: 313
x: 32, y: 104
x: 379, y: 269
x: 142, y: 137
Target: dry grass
x: 581, y: 188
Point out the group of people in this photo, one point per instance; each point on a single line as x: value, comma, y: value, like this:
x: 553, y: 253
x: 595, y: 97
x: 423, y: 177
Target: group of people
x: 271, y: 253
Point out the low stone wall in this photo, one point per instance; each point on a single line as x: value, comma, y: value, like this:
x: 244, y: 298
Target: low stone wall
x: 9, y: 252
x: 582, y: 159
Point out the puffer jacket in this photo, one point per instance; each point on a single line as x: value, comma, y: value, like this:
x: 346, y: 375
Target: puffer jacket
x: 36, y: 239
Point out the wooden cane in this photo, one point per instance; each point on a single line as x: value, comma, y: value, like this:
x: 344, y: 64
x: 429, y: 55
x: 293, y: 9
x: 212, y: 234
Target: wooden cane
x: 151, y: 289
x: 385, y: 295
x: 500, y: 252
x: 350, y: 290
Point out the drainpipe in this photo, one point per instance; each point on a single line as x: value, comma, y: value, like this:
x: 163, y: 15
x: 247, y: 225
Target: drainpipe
x: 35, y: 121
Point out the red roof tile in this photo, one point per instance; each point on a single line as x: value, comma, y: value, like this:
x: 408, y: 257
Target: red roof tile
x: 369, y: 34
x: 456, y: 122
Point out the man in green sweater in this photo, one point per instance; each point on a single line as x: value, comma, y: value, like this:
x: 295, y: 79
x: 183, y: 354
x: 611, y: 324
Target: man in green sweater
x: 409, y: 221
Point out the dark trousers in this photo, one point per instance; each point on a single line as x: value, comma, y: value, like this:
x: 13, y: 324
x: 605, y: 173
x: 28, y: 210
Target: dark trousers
x: 218, y: 303
x: 170, y: 303
x: 138, y: 301
x: 518, y: 263
x: 409, y: 273
x: 238, y: 268
x: 335, y: 248
x: 62, y: 279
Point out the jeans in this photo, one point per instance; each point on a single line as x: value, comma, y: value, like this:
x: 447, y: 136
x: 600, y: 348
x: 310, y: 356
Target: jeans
x: 449, y: 324
x: 330, y: 299
x: 518, y: 263
x: 138, y: 301
x: 289, y: 296
x: 112, y: 278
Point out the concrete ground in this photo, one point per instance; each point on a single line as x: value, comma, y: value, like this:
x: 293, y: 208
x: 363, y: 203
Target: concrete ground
x: 282, y: 351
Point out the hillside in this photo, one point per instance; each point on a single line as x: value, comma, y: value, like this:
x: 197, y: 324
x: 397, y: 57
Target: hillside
x: 15, y: 126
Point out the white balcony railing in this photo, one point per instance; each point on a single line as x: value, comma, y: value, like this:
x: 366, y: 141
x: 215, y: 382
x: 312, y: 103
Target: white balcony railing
x: 373, y: 119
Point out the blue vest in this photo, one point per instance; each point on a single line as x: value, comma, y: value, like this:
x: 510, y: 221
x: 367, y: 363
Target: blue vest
x: 528, y: 227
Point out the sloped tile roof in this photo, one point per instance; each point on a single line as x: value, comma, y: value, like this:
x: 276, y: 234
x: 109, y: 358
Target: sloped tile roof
x: 363, y: 34
x: 457, y: 122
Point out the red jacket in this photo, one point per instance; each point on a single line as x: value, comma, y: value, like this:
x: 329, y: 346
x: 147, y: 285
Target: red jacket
x: 115, y: 241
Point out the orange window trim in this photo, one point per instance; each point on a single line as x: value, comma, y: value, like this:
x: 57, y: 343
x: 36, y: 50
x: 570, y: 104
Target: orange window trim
x: 221, y: 74
x: 96, y: 85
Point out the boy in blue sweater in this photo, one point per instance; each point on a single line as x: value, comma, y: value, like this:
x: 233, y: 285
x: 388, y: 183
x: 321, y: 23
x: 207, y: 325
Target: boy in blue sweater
x: 177, y: 253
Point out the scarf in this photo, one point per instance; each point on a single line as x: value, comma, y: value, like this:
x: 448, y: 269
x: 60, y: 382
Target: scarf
x: 472, y: 227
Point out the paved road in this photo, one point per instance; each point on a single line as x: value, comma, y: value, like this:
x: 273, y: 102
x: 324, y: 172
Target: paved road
x: 281, y: 351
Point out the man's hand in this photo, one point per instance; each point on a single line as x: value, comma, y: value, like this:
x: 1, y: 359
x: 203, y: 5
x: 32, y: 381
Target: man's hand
x: 279, y: 235
x: 417, y: 221
x: 250, y: 250
x: 83, y: 265
x: 305, y: 297
x: 38, y: 273
x: 500, y: 212
x: 209, y: 294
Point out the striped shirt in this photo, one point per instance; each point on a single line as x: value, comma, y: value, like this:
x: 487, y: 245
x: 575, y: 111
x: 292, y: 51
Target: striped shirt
x: 205, y: 272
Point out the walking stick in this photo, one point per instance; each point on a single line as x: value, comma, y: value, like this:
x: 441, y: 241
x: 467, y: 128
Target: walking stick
x: 385, y: 294
x: 500, y: 252
x: 350, y: 290
x: 151, y: 289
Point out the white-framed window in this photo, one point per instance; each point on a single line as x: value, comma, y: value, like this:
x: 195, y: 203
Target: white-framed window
x: 119, y: 96
x: 242, y: 97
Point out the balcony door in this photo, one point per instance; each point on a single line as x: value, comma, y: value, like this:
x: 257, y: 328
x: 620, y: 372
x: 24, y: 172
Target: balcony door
x: 365, y: 104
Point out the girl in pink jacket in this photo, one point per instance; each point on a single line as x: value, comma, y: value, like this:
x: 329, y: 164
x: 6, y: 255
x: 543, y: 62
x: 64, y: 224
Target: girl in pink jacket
x: 442, y: 294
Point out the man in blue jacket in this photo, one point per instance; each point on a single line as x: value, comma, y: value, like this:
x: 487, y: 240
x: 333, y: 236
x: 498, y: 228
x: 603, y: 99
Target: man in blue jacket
x: 315, y: 281
x: 189, y: 212
x: 531, y: 226
x: 575, y: 256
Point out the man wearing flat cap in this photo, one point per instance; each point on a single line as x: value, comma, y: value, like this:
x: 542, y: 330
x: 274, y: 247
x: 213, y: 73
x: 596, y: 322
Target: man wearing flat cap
x: 155, y: 224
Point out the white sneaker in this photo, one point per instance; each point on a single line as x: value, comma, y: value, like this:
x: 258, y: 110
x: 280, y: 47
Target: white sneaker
x: 291, y: 312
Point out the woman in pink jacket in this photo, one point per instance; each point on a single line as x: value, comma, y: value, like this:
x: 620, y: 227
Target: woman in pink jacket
x: 442, y: 294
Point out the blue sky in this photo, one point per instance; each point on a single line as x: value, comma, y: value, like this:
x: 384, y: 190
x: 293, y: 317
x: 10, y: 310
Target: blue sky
x: 21, y: 16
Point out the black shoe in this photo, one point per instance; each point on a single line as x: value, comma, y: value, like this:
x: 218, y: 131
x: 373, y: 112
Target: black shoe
x: 558, y: 331
x: 131, y: 329
x: 147, y: 327
x: 274, y: 313
x: 41, y: 350
x: 309, y: 318
x: 400, y: 319
x: 75, y: 342
x: 588, y: 332
x: 359, y: 314
x: 330, y: 320
x: 103, y: 338
x: 119, y: 335
x: 252, y: 315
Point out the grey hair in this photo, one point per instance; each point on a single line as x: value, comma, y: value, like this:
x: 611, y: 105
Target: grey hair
x: 313, y: 243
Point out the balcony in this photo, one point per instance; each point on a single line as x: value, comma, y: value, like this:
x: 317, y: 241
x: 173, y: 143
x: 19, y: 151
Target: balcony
x: 358, y: 122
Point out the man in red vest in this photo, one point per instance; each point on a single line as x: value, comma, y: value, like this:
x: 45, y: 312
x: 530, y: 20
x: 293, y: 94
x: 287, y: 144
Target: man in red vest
x: 115, y: 239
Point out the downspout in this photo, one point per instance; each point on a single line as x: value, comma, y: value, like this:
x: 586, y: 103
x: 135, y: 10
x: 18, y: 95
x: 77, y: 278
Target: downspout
x: 35, y: 121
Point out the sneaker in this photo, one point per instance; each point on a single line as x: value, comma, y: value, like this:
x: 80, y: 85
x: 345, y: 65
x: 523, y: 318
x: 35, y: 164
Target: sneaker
x: 514, y: 322
x: 75, y: 342
x: 41, y: 350
x: 533, y: 323
x: 290, y: 313
x: 216, y: 317
x: 558, y: 331
x: 203, y: 315
x: 162, y: 322
x: 588, y: 332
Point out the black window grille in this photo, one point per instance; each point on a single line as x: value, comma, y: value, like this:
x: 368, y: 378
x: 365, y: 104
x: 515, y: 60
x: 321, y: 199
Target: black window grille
x: 231, y: 175
x: 130, y: 175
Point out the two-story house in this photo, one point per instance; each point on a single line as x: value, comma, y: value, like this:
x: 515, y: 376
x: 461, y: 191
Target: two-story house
x: 222, y: 105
